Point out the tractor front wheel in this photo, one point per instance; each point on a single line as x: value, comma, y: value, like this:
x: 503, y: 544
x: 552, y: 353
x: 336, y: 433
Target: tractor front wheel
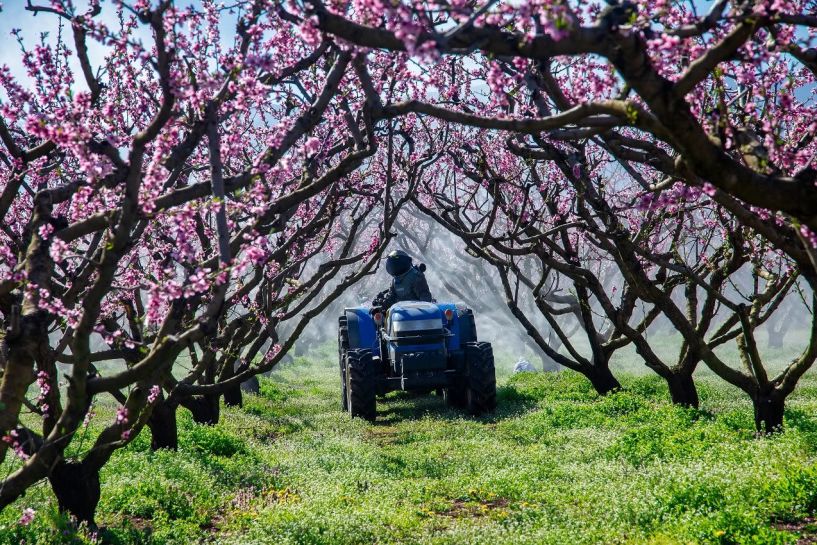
x: 361, y: 384
x: 480, y: 391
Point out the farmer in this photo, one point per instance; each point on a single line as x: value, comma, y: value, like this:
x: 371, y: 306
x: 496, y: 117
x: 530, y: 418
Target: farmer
x: 408, y: 282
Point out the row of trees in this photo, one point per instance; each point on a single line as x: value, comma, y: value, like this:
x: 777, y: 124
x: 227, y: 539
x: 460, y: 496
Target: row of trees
x: 164, y: 226
x: 181, y: 193
x: 673, y: 146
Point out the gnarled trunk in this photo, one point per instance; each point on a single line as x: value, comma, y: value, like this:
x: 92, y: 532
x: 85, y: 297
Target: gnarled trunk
x: 233, y: 396
x: 603, y: 380
x: 768, y: 412
x: 23, y: 343
x: 163, y: 428
x: 205, y: 409
x: 251, y: 386
x: 77, y: 489
x: 682, y: 389
x: 775, y: 336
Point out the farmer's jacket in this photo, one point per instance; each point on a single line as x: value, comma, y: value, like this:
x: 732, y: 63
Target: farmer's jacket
x: 410, y: 286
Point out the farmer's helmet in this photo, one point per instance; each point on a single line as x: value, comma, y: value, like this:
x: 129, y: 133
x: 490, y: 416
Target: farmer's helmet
x: 398, y: 263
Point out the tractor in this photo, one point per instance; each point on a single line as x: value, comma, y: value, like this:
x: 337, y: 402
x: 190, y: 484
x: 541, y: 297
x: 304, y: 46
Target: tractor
x: 414, y: 346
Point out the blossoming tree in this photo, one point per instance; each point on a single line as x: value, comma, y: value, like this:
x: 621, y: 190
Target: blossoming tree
x: 189, y: 193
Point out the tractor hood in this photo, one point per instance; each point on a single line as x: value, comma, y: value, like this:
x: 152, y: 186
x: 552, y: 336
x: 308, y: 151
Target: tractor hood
x: 415, y: 316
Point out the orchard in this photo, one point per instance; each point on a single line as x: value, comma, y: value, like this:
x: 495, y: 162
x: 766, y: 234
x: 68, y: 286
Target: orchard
x: 186, y: 187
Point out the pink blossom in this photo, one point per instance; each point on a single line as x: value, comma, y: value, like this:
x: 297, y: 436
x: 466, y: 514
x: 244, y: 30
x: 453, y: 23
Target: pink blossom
x: 154, y: 393
x: 45, y: 231
x: 13, y: 440
x: 809, y: 235
x: 57, y: 250
x: 122, y: 415
x: 27, y: 517
x: 88, y: 416
x: 309, y: 32
x: 312, y: 145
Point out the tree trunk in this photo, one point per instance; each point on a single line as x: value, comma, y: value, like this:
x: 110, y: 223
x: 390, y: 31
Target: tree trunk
x: 603, y: 380
x: 205, y: 409
x: 251, y: 386
x: 77, y: 490
x: 233, y: 397
x: 682, y: 389
x: 768, y: 413
x: 775, y: 336
x: 163, y: 428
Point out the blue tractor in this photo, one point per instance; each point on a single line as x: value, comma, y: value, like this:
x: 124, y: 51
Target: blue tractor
x: 414, y: 346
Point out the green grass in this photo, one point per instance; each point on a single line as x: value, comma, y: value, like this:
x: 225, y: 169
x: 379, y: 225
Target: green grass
x: 555, y: 464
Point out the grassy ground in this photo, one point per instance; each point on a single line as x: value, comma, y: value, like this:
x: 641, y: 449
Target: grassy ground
x: 555, y: 464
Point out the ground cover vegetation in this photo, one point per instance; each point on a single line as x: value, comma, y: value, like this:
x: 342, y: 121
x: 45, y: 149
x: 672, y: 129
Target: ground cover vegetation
x: 557, y: 463
x: 184, y: 188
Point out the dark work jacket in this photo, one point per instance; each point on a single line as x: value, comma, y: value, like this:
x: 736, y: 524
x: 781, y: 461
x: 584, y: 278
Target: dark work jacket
x: 411, y: 286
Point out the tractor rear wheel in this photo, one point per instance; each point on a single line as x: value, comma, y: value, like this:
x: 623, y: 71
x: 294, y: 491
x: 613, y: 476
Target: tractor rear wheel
x: 480, y: 391
x: 343, y: 347
x: 361, y: 384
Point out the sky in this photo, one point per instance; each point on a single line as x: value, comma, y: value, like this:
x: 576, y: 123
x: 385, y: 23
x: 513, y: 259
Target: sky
x: 15, y: 16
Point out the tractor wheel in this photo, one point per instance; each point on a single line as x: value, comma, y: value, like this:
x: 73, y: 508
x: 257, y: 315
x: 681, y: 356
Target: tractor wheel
x: 480, y: 393
x: 343, y: 347
x: 361, y: 384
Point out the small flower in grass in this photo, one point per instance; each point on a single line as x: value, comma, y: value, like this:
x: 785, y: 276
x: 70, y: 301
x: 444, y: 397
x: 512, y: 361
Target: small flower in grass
x: 27, y: 516
x: 154, y: 393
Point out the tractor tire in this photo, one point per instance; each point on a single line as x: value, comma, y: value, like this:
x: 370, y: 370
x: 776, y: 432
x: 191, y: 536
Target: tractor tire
x: 361, y: 384
x: 480, y: 391
x: 343, y: 347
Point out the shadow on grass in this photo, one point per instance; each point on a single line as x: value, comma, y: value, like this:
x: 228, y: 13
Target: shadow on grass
x: 407, y: 406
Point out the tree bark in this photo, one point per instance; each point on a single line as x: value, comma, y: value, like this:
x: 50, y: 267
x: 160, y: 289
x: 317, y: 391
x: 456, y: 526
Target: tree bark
x: 768, y: 413
x: 205, y: 409
x: 682, y: 389
x: 233, y: 397
x: 24, y: 342
x: 163, y: 428
x: 251, y: 386
x: 775, y: 336
x: 77, y: 489
x: 603, y: 380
